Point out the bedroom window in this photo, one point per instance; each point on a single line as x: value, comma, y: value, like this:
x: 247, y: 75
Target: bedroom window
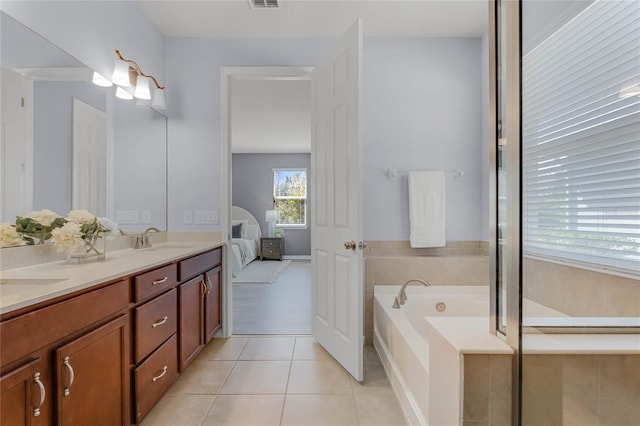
x: 290, y: 197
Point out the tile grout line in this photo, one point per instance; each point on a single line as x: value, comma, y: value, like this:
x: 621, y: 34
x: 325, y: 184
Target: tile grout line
x: 286, y: 389
x: 353, y: 396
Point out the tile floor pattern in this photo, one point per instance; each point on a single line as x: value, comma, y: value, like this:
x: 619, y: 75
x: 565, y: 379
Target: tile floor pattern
x: 263, y: 381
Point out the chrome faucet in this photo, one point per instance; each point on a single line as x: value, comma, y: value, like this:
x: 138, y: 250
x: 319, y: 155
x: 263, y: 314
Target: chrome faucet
x: 145, y: 236
x: 142, y: 240
x: 402, y: 294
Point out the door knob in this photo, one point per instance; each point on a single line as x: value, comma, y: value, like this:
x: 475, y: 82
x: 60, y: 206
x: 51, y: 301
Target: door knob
x: 350, y: 245
x: 362, y: 245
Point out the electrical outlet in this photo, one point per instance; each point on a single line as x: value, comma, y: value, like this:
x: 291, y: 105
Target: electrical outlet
x: 187, y: 216
x: 145, y: 216
x: 206, y: 217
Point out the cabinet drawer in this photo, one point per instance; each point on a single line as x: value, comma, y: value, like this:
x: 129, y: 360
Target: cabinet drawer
x: 155, y: 282
x: 39, y: 328
x: 271, y: 243
x: 198, y: 264
x: 271, y: 252
x: 156, y: 320
x: 154, y: 376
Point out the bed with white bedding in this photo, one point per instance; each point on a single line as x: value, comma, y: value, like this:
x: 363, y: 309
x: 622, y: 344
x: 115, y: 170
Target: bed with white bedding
x: 245, y: 239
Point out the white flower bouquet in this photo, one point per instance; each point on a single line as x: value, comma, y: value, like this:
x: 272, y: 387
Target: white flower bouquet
x: 36, y: 227
x: 79, y: 234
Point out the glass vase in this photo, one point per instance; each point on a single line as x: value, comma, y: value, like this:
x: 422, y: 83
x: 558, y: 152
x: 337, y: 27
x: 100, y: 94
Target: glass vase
x: 94, y: 248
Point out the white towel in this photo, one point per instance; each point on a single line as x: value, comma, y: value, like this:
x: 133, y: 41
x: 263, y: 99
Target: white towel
x: 426, y: 209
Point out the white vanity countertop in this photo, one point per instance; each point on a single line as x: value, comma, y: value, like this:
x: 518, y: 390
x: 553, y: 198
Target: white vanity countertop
x: 23, y: 287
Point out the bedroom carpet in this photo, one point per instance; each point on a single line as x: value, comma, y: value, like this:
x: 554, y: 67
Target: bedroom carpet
x: 283, y: 307
x: 265, y: 272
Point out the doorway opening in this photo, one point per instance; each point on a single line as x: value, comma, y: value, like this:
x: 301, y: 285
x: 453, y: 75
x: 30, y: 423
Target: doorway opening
x: 268, y: 119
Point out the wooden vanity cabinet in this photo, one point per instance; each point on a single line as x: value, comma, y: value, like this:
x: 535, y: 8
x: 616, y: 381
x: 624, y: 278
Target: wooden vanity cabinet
x: 23, y: 395
x: 155, y: 343
x: 199, y: 300
x: 93, y: 377
x: 213, y: 279
x: 92, y: 330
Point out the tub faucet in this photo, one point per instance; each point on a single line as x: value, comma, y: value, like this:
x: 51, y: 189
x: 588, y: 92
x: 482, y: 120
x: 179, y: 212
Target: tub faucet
x: 402, y: 294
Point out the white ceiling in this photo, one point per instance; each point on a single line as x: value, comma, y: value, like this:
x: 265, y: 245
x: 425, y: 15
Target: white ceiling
x: 318, y: 18
x: 269, y: 116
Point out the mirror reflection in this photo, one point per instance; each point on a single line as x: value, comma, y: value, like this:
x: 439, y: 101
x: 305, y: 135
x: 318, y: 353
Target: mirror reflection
x: 69, y: 144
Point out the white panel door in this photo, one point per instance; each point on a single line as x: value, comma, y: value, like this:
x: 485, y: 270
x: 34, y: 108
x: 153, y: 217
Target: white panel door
x: 89, y: 159
x: 338, y: 275
x: 16, y: 146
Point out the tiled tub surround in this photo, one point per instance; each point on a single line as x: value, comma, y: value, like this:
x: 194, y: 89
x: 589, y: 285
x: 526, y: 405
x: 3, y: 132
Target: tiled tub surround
x: 394, y: 262
x: 580, y: 292
x: 581, y: 390
x: 445, y: 367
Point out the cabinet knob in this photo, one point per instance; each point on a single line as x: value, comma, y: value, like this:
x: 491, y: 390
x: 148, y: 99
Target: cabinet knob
x: 159, y: 322
x: 37, y: 381
x: 162, y: 373
x: 66, y: 363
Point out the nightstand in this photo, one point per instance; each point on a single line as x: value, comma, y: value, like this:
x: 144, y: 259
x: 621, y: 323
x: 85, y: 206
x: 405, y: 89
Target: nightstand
x: 271, y: 248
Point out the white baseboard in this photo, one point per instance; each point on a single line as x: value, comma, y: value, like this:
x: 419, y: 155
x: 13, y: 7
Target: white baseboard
x: 297, y: 257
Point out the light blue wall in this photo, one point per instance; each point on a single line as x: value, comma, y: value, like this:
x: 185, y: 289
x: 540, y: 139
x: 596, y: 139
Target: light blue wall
x: 253, y: 191
x: 422, y: 110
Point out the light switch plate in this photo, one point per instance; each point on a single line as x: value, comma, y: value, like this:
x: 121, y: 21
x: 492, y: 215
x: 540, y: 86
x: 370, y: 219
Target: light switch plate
x: 206, y: 217
x: 187, y: 217
x: 145, y: 216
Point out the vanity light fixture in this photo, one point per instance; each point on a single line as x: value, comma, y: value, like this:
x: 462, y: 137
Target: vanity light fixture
x: 123, y: 94
x: 127, y: 73
x: 100, y: 80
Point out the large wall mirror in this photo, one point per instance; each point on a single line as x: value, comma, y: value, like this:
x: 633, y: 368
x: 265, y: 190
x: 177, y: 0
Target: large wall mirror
x: 67, y: 143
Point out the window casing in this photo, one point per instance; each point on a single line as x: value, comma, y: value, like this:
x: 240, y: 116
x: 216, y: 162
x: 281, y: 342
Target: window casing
x: 290, y: 197
x: 581, y: 140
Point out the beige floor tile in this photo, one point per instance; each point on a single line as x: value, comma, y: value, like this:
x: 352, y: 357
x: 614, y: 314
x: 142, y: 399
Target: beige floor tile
x: 257, y: 377
x: 245, y: 410
x: 308, y: 348
x: 375, y: 380
x: 318, y: 377
x: 224, y: 349
x: 183, y: 410
x: 325, y: 410
x: 380, y: 409
x: 203, y: 377
x: 268, y: 348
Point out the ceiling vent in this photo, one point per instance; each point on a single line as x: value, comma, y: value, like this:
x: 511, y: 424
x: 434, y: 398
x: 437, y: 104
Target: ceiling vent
x: 264, y: 4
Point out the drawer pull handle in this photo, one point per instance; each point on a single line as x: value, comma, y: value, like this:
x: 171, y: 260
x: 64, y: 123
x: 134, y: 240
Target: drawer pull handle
x: 37, y: 381
x: 67, y: 389
x: 160, y: 322
x: 159, y: 376
x: 160, y: 281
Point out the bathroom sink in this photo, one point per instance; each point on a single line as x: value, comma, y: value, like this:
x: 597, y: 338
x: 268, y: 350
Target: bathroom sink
x: 9, y: 286
x: 168, y: 246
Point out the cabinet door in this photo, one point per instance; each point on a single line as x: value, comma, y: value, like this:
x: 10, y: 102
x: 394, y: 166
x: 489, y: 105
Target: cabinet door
x: 92, y: 377
x: 191, y: 299
x: 212, y: 303
x: 23, y: 395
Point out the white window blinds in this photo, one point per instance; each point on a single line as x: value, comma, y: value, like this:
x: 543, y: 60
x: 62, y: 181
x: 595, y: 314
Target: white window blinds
x: 581, y: 139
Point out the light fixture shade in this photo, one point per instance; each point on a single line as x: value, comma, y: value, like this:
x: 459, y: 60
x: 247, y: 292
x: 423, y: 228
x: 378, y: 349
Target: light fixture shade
x: 121, y: 74
x: 123, y: 94
x: 142, y: 88
x: 158, y: 99
x: 271, y: 216
x: 100, y: 80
